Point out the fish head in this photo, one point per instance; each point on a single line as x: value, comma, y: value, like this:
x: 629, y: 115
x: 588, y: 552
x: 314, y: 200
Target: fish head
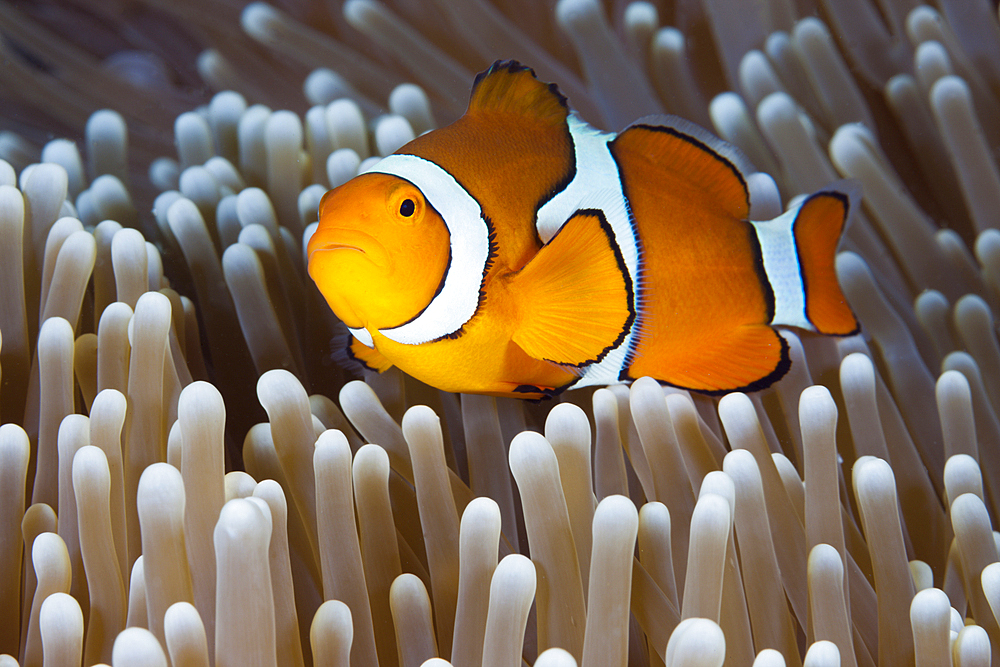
x: 380, y: 251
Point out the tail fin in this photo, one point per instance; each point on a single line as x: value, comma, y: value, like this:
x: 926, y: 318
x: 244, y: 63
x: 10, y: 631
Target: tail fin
x: 820, y: 221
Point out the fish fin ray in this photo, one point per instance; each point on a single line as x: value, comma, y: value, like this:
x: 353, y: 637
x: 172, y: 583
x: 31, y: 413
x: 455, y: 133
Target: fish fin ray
x: 746, y: 358
x: 510, y: 87
x: 577, y: 294
x: 817, y: 229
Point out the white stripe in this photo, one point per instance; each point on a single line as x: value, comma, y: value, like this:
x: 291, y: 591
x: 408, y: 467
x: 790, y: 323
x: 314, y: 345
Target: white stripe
x: 363, y: 336
x: 781, y: 263
x: 456, y: 302
x: 596, y: 170
x: 596, y: 185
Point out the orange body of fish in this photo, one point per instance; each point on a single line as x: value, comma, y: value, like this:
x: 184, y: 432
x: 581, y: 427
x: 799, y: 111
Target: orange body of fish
x: 520, y: 252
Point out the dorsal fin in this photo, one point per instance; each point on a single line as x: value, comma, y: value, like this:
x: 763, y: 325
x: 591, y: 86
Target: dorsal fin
x: 669, y: 149
x: 510, y: 87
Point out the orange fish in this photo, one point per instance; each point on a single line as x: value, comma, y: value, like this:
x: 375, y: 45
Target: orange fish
x: 520, y: 252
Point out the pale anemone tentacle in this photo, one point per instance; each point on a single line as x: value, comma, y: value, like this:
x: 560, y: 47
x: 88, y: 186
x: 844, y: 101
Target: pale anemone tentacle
x: 479, y: 532
x: 561, y: 601
x: 241, y: 545
x: 38, y: 520
x: 568, y: 431
x: 331, y: 634
x: 822, y: 654
x: 439, y: 513
x: 875, y: 491
x: 379, y: 551
x: 670, y: 70
x: 772, y: 623
x: 659, y: 446
x: 826, y: 580
x: 615, y: 527
x: 287, y: 627
x: 340, y: 559
x: 54, y: 570
x: 92, y: 486
x: 923, y: 577
x: 698, y: 641
x: 734, y: 617
x: 411, y: 616
x: 14, y: 456
x: 74, y: 434
x: 60, y: 623
x: 711, y: 522
x: 185, y: 635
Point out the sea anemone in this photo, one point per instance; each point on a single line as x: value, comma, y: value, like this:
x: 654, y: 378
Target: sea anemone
x: 187, y: 474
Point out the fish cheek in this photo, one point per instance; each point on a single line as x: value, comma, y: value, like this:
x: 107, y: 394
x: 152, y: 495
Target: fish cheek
x: 419, y: 263
x: 389, y: 283
x: 340, y: 276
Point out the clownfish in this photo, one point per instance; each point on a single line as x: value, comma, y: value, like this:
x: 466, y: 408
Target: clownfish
x: 520, y: 252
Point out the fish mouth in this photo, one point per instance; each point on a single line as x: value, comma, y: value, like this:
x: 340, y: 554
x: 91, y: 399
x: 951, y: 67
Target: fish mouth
x: 352, y: 240
x: 341, y: 246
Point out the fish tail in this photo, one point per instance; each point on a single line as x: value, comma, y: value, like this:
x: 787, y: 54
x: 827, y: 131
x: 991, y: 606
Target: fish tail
x: 818, y: 226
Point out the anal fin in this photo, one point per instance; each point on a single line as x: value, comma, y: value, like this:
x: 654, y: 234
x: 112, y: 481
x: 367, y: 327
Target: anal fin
x: 745, y: 358
x: 575, y: 294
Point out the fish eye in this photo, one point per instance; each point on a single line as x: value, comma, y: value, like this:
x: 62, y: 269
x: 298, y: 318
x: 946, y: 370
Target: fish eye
x: 405, y: 204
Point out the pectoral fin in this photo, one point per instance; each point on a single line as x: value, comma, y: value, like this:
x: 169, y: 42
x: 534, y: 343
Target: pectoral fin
x: 368, y: 357
x: 575, y: 294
